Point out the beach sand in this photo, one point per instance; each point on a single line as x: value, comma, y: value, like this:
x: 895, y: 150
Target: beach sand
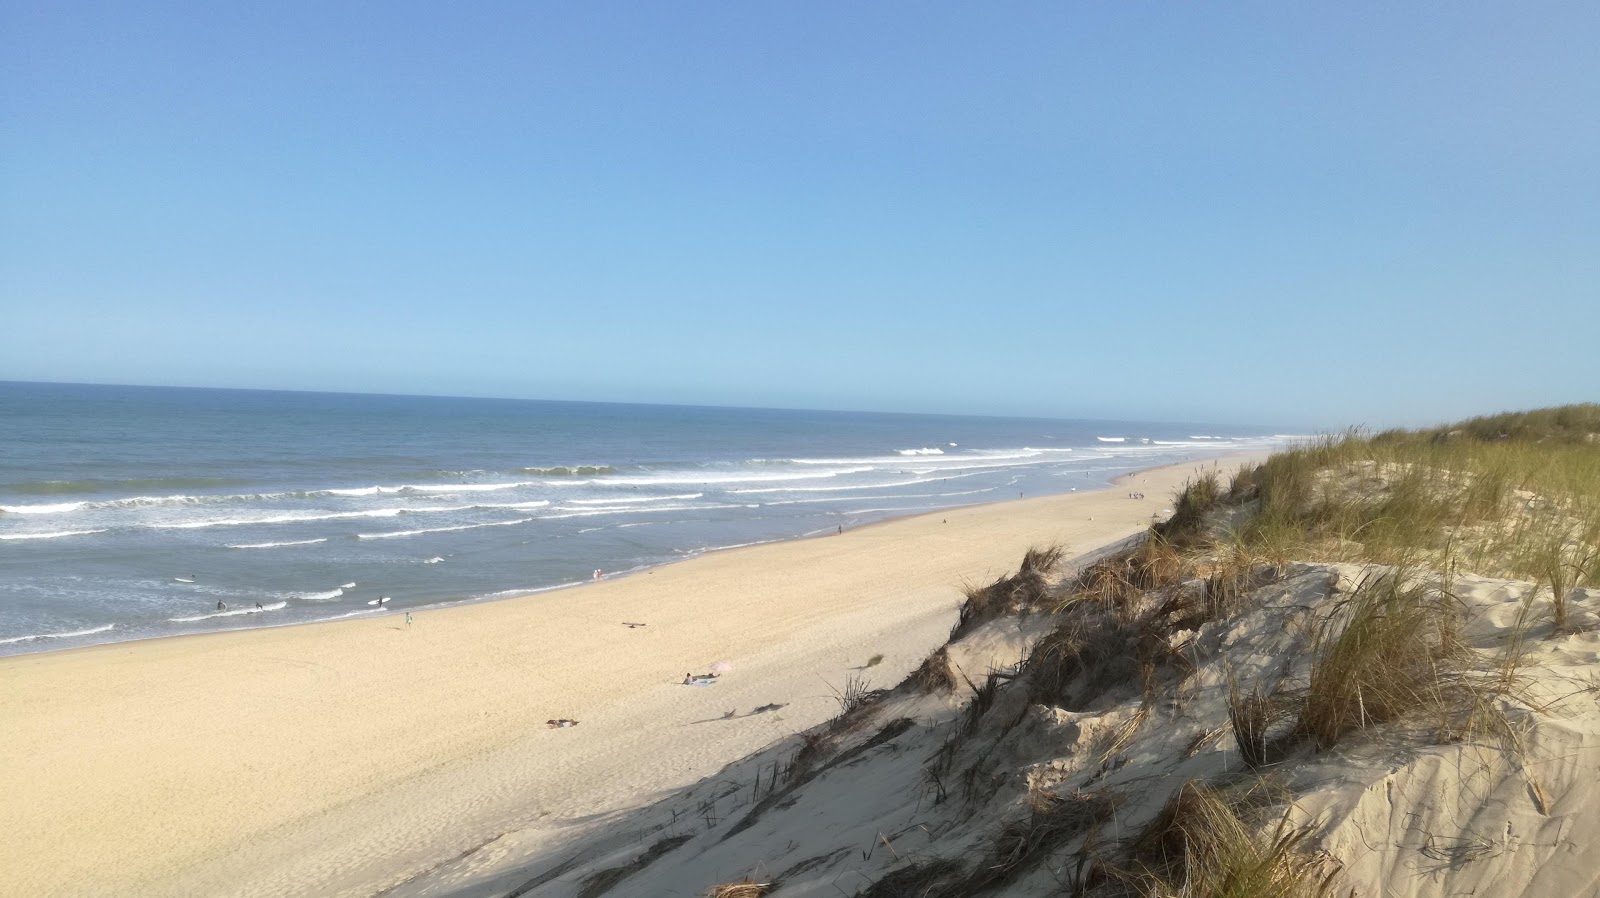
x: 351, y: 757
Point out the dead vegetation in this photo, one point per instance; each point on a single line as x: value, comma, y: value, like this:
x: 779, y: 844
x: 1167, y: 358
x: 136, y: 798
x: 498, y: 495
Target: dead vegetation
x: 1027, y: 589
x: 935, y: 675
x: 745, y: 889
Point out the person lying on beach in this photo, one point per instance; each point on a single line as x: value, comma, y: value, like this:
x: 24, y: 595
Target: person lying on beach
x: 561, y: 724
x: 691, y: 679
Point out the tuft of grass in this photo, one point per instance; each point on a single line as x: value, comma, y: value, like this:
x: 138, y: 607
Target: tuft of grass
x: 1256, y: 720
x: 1389, y: 652
x: 1025, y: 590
x: 743, y: 889
x: 1197, y: 846
x: 1053, y: 821
x: 935, y: 674
x: 1091, y: 650
x: 982, y: 700
x: 1194, y: 502
x: 815, y: 745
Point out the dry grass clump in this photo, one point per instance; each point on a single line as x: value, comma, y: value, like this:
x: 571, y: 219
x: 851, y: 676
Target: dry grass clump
x: 1198, y: 847
x: 982, y: 700
x: 935, y: 674
x: 1026, y: 589
x: 815, y: 745
x: 1195, y: 501
x: 1261, y: 724
x: 744, y: 889
x: 1390, y: 652
x: 1092, y: 649
x: 1052, y: 822
x: 930, y: 879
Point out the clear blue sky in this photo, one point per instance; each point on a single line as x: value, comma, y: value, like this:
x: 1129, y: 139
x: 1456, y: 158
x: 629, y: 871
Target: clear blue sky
x: 1285, y: 213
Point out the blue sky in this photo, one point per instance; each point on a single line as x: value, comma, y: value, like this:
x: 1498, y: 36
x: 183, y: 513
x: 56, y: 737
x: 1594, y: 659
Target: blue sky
x: 1273, y: 213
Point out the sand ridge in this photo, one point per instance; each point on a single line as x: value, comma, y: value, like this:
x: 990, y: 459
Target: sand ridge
x: 348, y: 757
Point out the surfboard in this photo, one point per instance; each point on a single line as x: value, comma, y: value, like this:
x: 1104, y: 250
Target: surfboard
x: 381, y: 601
x: 182, y: 580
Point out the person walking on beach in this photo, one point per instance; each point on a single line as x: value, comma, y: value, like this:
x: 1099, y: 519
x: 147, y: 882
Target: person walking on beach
x: 408, y: 620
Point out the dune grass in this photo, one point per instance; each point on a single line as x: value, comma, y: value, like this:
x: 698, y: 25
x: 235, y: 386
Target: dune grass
x: 1393, y: 651
x: 745, y: 889
x: 935, y: 674
x: 1025, y: 590
x: 1199, y: 847
x: 1514, y: 495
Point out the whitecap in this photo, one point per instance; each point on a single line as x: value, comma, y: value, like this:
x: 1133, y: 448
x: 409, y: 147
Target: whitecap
x: 292, y: 542
x: 53, y: 508
x: 69, y: 635
x: 319, y: 596
x: 923, y: 451
x: 624, y: 500
x: 1112, y: 439
x: 275, y: 606
x: 52, y: 535
x: 400, y: 533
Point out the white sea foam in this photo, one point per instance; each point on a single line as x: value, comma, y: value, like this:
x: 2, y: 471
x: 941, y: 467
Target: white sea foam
x: 622, y: 499
x: 687, y: 478
x: 355, y: 491
x: 56, y: 534
x: 923, y: 451
x: 235, y: 612
x: 281, y: 519
x: 52, y: 508
x: 434, y: 560
x: 1112, y: 439
x: 856, y: 486
x: 292, y: 542
x: 319, y: 596
x: 69, y: 635
x: 568, y: 512
x: 465, y: 487
x: 350, y: 585
x: 536, y: 503
x: 400, y: 533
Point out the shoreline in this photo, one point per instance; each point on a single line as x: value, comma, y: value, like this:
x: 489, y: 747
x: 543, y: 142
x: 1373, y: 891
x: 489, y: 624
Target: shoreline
x: 351, y: 757
x: 359, y: 615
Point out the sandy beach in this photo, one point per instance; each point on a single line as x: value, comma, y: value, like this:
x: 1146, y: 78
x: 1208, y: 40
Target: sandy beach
x: 351, y: 757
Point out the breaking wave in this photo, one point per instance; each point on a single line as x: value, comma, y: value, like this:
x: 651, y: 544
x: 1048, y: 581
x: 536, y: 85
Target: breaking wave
x: 88, y: 632
x: 235, y: 612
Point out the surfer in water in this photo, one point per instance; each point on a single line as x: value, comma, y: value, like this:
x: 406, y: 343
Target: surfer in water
x: 221, y: 605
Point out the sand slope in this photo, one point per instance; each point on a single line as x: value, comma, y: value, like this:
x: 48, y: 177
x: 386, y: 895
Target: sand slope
x: 1404, y: 815
x: 349, y: 757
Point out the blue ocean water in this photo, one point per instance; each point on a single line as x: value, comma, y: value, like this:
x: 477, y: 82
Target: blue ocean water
x: 134, y: 512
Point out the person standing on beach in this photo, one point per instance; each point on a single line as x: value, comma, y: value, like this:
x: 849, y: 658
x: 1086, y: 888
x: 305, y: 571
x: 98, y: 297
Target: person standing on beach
x: 408, y: 620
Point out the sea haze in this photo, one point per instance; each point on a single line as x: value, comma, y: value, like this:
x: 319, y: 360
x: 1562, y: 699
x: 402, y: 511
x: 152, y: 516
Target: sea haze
x: 131, y: 512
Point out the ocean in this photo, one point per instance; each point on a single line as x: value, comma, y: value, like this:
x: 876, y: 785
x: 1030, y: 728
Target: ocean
x: 139, y: 512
